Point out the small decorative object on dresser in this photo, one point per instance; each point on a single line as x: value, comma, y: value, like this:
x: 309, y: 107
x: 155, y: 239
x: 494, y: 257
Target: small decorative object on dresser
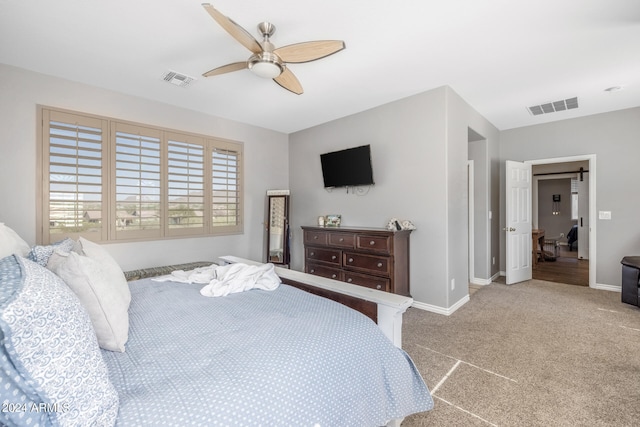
x: 395, y: 224
x: 332, y: 220
x: 373, y: 257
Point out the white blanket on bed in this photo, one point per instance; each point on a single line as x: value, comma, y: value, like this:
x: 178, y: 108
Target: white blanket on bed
x: 240, y: 277
x: 198, y: 275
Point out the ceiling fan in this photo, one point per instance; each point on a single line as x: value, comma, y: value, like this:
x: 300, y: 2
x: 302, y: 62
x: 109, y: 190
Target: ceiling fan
x: 267, y: 61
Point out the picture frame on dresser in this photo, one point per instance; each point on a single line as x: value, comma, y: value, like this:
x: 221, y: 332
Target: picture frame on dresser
x: 332, y: 220
x: 375, y: 258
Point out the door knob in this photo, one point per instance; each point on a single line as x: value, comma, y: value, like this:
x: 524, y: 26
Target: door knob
x: 509, y: 229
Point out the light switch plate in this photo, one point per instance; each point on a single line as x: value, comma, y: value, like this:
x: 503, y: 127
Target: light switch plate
x: 604, y: 215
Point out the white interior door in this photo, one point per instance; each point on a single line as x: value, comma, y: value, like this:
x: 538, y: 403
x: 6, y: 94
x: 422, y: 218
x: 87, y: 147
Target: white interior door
x: 583, y: 217
x: 518, y: 222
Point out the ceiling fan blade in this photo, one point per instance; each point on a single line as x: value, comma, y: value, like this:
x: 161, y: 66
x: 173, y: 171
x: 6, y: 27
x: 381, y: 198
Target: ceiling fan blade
x: 290, y: 82
x: 236, y: 66
x: 236, y: 31
x: 309, y: 51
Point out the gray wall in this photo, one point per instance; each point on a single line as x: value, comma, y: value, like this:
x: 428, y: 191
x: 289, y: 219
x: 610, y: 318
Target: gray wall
x: 615, y: 140
x: 408, y: 143
x: 461, y: 117
x: 419, y: 155
x: 265, y: 162
x: 552, y: 224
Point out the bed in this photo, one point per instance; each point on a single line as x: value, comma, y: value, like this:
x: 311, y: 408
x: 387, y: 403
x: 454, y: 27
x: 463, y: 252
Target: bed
x: 278, y: 357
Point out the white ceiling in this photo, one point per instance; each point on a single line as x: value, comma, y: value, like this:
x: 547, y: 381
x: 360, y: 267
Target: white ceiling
x: 501, y: 56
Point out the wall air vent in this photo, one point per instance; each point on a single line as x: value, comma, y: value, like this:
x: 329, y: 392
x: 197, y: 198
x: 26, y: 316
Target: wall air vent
x: 177, y: 79
x: 553, y: 107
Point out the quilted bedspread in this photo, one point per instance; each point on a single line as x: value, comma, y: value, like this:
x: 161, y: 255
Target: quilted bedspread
x: 270, y: 358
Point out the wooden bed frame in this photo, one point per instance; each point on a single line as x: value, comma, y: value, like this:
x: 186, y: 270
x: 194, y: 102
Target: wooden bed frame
x: 384, y: 308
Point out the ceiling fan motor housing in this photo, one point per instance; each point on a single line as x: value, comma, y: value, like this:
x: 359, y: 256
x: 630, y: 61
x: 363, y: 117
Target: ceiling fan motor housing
x: 266, y: 64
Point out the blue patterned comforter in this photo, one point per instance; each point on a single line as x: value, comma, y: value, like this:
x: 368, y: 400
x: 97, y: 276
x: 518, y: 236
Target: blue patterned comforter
x: 270, y: 358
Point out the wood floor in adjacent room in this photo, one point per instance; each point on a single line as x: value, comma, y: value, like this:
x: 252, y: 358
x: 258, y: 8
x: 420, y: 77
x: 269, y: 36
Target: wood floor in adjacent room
x: 566, y: 268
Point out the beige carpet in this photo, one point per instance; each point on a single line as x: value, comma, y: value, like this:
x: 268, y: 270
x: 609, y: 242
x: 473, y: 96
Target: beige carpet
x: 531, y: 354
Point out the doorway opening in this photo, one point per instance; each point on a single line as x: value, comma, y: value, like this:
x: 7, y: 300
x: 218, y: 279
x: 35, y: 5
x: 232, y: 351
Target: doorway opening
x: 479, y: 214
x: 563, y: 204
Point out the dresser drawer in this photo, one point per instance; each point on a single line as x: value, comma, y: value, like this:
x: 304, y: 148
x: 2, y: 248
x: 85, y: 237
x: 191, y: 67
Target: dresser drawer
x: 323, y: 255
x: 369, y: 281
x: 375, y: 258
x: 342, y: 240
x: 323, y: 271
x: 380, y: 244
x: 367, y: 263
x: 315, y: 237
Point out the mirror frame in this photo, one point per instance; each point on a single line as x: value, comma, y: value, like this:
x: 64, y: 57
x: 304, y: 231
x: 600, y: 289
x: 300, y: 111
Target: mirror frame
x: 285, y: 259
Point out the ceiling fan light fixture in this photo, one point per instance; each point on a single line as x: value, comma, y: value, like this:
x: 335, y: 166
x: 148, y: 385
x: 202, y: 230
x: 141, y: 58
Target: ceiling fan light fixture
x: 266, y: 65
x: 266, y: 61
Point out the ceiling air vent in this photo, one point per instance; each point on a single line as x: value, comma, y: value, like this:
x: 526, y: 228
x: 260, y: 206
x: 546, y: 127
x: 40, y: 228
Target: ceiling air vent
x: 553, y: 107
x: 177, y: 79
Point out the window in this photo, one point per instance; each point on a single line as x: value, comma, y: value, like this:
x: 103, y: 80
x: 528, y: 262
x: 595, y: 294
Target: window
x: 108, y: 180
x: 73, y: 192
x: 225, y: 193
x: 137, y: 204
x: 185, y: 188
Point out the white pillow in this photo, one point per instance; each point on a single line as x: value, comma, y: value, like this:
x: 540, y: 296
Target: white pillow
x: 91, y: 281
x: 11, y: 243
x: 112, y: 268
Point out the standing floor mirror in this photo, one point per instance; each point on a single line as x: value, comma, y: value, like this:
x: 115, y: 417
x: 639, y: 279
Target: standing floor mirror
x: 277, y: 225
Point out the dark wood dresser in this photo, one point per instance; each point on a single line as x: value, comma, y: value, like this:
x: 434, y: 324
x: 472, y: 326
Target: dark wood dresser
x: 373, y: 257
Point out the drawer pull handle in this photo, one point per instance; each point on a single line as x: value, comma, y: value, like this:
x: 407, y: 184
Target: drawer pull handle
x: 315, y: 237
x: 333, y: 257
x: 373, y: 242
x: 350, y: 259
x: 342, y: 239
x: 379, y: 264
x: 349, y: 280
x: 333, y: 276
x: 312, y: 254
x: 313, y: 270
x: 379, y: 287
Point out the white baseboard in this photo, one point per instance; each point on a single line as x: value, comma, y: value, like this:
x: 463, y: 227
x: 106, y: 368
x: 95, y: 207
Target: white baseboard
x: 482, y: 282
x: 440, y: 310
x: 478, y: 281
x: 603, y: 287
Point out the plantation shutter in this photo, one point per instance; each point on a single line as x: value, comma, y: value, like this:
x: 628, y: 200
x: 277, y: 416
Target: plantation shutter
x: 185, y: 185
x: 110, y: 180
x: 226, y: 187
x: 74, y: 202
x: 138, y: 203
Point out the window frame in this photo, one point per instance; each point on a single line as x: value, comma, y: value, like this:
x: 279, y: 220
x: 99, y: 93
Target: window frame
x: 108, y: 231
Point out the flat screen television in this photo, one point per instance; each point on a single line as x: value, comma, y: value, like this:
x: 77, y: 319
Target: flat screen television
x: 347, y: 168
